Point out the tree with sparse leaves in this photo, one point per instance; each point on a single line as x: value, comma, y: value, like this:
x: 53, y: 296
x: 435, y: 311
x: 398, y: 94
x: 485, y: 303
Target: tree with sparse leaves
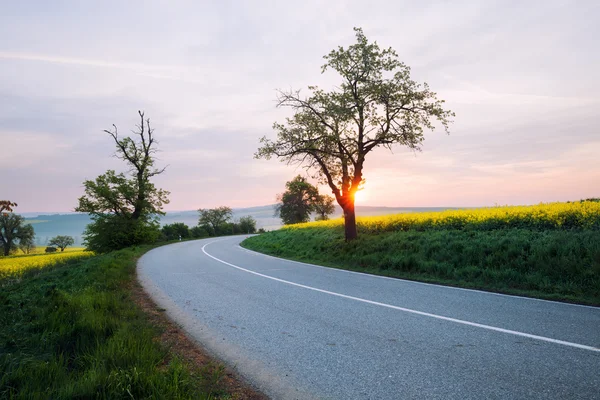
x: 124, y: 209
x: 62, y: 242
x: 377, y: 104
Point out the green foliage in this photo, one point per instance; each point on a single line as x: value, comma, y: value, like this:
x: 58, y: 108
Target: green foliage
x: 61, y: 242
x: 377, y: 104
x: 247, y: 224
x: 108, y: 232
x: 323, y: 207
x: 73, y: 331
x: 552, y: 264
x: 300, y: 199
x: 176, y: 231
x: 297, y: 202
x: 123, y: 209
x: 214, y: 220
x: 14, y: 232
x: 115, y: 193
x: 199, y: 232
x: 50, y: 249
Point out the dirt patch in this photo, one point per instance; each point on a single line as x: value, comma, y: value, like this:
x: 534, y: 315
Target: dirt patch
x: 175, y: 339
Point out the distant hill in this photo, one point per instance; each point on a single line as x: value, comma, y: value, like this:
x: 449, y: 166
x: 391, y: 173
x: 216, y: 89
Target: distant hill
x: 49, y: 225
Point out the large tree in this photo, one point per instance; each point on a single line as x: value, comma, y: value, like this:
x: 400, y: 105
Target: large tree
x: 124, y: 208
x: 377, y: 104
x: 214, y: 219
x: 13, y: 232
x: 297, y: 202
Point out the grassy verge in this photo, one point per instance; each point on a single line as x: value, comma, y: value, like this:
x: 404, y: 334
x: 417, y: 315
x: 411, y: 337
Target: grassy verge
x: 73, y: 330
x: 549, y: 264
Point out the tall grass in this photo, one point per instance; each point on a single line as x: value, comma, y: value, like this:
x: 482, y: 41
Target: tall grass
x: 72, y: 331
x: 549, y: 251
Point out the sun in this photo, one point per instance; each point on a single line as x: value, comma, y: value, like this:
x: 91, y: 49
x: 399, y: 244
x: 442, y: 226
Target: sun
x: 360, y: 197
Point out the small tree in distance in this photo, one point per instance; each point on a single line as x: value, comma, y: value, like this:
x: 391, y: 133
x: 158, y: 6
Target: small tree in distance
x: 297, y: 202
x: 214, y: 219
x: 377, y: 104
x: 324, y: 207
x: 27, y: 243
x: 62, y: 242
x: 300, y: 200
x: 247, y: 224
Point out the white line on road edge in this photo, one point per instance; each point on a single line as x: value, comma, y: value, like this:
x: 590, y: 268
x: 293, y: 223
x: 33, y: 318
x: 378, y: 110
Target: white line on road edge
x: 408, y: 310
x: 562, y: 303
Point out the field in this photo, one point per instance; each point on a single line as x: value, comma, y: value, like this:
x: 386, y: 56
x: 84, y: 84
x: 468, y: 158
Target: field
x: 551, y: 216
x: 76, y: 330
x: 549, y: 251
x: 16, y: 266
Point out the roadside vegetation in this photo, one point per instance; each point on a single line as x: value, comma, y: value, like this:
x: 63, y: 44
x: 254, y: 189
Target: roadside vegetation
x: 549, y: 251
x: 73, y: 330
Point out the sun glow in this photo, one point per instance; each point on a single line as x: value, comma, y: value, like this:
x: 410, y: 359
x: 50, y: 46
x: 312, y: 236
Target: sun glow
x: 360, y: 197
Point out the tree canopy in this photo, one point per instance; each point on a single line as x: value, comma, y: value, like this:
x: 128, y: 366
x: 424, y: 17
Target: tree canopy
x: 300, y: 199
x: 247, y: 224
x: 14, y: 232
x: 130, y: 202
x: 324, y: 207
x: 377, y: 104
x: 62, y: 242
x: 214, y: 219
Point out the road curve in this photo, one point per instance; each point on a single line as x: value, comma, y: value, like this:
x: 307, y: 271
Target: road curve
x: 298, y: 331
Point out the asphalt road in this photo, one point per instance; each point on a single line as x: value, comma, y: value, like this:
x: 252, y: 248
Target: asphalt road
x: 300, y: 331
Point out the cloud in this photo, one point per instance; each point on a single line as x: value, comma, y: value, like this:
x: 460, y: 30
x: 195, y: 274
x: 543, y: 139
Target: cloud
x: 522, y: 77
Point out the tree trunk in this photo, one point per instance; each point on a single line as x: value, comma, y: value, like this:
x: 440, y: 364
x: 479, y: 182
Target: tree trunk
x: 6, y: 249
x: 350, y: 220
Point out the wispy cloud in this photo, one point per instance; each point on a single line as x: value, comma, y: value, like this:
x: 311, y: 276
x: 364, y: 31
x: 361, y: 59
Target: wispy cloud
x: 522, y: 77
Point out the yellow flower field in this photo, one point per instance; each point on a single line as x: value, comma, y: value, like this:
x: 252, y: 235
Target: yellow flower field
x: 579, y: 215
x: 16, y: 265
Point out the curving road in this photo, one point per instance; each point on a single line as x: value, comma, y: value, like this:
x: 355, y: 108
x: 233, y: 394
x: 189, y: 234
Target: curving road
x: 299, y: 331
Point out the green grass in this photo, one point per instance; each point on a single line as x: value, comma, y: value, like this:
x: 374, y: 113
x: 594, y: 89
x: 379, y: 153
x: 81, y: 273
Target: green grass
x: 551, y: 264
x: 72, y: 331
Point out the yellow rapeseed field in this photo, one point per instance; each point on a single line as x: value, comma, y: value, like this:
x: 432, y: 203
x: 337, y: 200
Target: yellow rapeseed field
x: 579, y: 215
x: 16, y: 265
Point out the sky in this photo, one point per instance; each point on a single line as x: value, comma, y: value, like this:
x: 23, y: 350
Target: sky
x: 522, y: 77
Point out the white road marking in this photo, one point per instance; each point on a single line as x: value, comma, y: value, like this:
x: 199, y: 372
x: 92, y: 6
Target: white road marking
x: 256, y: 253
x: 408, y: 310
